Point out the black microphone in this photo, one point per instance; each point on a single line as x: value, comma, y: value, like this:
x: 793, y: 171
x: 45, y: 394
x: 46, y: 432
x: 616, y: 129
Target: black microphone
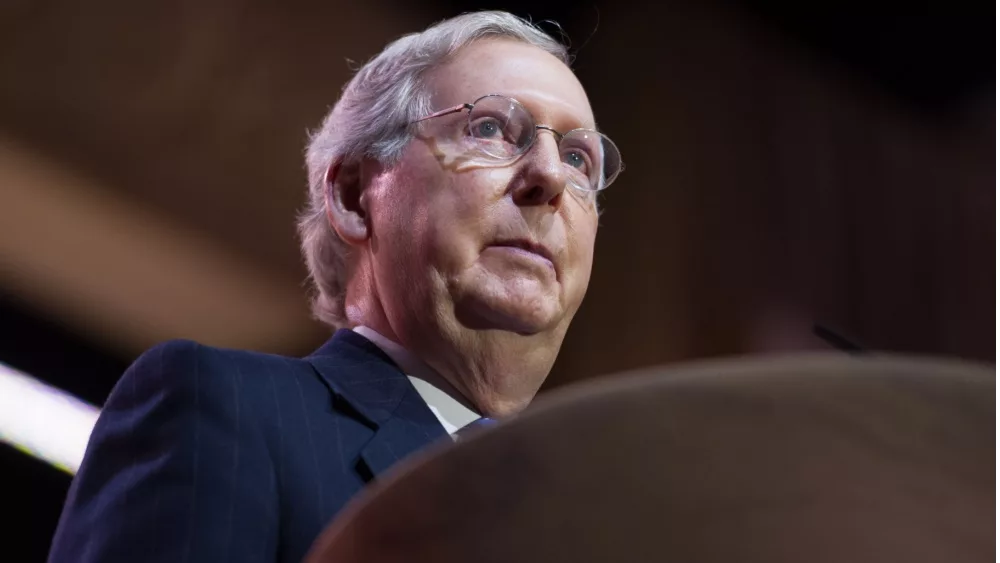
x: 837, y: 340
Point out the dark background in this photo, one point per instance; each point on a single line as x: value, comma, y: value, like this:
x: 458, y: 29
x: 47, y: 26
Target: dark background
x: 787, y: 163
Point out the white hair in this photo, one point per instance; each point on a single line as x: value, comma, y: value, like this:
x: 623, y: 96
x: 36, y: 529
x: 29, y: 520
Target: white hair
x: 370, y: 120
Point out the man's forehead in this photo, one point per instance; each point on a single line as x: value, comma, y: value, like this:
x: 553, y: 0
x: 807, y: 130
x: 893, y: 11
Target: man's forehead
x: 540, y: 81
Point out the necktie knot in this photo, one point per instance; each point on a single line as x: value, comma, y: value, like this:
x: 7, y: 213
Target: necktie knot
x: 473, y: 427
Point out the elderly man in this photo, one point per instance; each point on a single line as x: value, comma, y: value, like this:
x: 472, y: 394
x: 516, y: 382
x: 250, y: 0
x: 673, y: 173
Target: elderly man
x: 449, y: 234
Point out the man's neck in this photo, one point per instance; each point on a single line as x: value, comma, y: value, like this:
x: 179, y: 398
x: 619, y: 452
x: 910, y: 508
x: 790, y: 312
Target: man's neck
x: 495, y: 372
x: 413, y: 366
x: 499, y: 371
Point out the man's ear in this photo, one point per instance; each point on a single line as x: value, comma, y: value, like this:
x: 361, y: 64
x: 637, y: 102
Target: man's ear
x: 345, y: 208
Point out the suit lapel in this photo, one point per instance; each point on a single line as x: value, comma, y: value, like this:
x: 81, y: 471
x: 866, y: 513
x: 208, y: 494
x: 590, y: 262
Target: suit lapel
x: 402, y: 434
x: 362, y: 377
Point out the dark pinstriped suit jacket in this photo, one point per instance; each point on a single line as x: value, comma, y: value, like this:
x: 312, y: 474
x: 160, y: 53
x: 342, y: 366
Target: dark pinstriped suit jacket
x: 210, y: 455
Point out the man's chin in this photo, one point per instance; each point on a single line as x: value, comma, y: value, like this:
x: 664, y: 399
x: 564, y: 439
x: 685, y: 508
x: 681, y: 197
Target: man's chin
x: 524, y: 317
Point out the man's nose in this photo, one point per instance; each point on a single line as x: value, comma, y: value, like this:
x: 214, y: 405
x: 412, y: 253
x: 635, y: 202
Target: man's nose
x: 545, y: 176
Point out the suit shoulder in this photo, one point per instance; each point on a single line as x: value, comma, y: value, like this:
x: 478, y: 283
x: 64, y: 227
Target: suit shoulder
x: 187, y: 367
x: 174, y: 357
x: 181, y: 355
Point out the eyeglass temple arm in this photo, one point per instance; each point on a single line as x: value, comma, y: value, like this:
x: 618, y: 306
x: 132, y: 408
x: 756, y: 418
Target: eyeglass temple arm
x: 446, y: 111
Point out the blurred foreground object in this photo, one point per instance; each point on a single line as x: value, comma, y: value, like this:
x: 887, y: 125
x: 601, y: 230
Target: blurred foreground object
x: 806, y: 458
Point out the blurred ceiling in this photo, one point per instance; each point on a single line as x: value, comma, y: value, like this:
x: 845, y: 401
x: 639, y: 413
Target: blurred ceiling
x: 150, y: 153
x: 933, y: 56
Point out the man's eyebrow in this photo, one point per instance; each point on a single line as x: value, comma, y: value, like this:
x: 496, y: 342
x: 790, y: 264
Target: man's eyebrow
x: 568, y: 120
x: 560, y: 112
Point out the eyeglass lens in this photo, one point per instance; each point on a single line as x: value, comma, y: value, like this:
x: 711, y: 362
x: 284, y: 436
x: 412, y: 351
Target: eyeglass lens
x: 504, y: 129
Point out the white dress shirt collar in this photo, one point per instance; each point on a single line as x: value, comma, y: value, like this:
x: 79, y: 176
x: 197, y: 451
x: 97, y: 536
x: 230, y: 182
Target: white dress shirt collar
x: 450, y: 408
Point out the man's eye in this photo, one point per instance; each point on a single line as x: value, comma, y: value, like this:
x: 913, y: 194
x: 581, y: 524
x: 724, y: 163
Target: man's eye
x: 577, y: 160
x: 486, y: 129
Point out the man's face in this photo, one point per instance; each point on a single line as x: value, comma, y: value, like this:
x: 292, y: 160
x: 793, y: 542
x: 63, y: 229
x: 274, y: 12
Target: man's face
x: 486, y: 246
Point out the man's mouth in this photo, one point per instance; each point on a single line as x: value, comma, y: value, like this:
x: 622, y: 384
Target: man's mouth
x: 527, y: 246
